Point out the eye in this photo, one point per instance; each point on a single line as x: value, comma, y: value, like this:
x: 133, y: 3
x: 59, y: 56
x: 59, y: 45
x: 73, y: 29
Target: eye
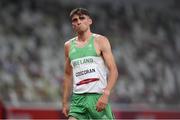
x: 74, y: 20
x: 81, y: 17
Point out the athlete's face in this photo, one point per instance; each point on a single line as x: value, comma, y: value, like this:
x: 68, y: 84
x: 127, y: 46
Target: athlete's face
x: 81, y: 23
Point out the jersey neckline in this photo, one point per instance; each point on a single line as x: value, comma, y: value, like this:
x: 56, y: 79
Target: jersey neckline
x: 89, y: 40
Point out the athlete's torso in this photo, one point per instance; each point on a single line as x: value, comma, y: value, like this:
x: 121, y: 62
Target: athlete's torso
x: 89, y: 69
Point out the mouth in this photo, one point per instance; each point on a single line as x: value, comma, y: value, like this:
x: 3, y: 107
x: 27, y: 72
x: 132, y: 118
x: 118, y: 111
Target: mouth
x: 78, y: 28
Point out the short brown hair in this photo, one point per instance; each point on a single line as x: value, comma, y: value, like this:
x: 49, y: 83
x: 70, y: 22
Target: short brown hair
x: 79, y: 11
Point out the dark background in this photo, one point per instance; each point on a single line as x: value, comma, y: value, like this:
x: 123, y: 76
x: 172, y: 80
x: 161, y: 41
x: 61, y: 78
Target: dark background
x: 145, y: 39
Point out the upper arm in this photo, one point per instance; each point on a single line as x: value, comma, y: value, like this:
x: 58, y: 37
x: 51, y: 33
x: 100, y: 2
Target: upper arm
x: 68, y: 67
x: 105, y: 49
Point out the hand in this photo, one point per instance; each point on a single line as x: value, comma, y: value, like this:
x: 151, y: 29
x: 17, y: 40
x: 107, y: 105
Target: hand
x: 65, y: 109
x: 102, y: 102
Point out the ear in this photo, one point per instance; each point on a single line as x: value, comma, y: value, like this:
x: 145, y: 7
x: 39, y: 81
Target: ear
x: 90, y: 21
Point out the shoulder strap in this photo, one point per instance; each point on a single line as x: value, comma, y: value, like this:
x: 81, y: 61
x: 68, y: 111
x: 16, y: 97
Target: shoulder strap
x: 72, y: 43
x: 92, y: 39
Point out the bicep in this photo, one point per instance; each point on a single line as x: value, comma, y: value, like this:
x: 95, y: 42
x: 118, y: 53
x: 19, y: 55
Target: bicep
x: 68, y: 67
x: 107, y: 54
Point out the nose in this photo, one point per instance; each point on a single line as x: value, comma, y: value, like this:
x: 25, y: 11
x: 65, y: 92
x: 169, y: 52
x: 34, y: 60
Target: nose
x: 78, y: 21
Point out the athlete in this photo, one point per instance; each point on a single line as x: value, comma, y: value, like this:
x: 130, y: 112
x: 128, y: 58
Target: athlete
x: 90, y: 71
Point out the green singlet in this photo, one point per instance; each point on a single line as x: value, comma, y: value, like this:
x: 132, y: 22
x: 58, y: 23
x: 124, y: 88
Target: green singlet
x: 83, y: 106
x: 85, y: 96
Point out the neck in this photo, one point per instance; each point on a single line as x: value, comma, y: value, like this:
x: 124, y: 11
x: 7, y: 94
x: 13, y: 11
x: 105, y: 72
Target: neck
x: 84, y: 36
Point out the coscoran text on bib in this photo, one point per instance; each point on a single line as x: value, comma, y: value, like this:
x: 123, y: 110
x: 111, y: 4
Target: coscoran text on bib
x: 84, y: 72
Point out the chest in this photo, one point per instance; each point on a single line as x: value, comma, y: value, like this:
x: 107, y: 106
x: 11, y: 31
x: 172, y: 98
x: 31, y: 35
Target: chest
x: 80, y: 52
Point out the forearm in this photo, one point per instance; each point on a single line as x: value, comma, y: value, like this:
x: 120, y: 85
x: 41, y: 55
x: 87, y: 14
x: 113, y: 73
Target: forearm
x: 103, y: 100
x: 112, y: 78
x: 66, y: 89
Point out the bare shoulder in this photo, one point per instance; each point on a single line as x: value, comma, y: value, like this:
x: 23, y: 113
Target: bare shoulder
x: 101, y: 41
x: 67, y: 43
x: 67, y: 46
x: 100, y: 38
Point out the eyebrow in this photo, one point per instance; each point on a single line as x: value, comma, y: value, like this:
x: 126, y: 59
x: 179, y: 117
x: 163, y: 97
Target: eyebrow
x: 81, y: 17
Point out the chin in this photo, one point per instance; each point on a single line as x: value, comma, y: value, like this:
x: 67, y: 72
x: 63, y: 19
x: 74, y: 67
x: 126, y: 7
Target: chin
x: 80, y: 31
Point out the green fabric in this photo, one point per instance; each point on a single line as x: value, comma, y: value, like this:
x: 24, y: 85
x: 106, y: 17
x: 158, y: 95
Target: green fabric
x: 86, y: 50
x: 83, y: 106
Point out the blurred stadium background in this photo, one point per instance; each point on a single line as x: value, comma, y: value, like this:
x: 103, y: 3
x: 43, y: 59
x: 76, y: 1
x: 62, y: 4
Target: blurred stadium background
x: 145, y: 38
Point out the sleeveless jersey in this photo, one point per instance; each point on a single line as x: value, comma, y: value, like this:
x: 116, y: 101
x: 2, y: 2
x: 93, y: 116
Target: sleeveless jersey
x: 89, y: 69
